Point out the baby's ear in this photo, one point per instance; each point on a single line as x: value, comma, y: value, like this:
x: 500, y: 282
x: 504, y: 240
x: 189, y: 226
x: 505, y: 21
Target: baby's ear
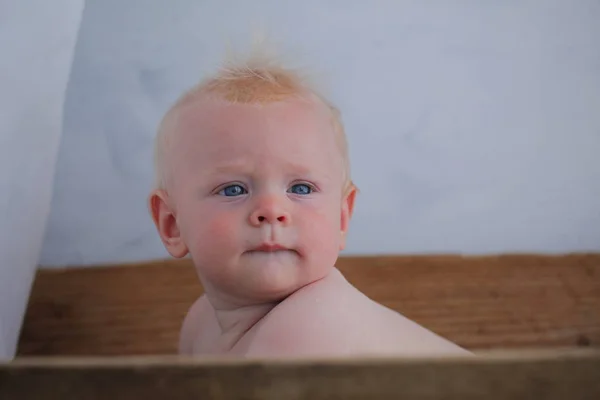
x: 166, y: 224
x: 347, y: 210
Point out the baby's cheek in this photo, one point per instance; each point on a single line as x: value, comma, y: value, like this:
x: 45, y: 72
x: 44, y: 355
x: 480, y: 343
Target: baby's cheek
x: 211, y: 232
x: 220, y: 229
x: 218, y: 224
x: 213, y: 244
x: 321, y: 231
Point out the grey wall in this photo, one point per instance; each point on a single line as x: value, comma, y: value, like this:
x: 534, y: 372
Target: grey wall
x: 37, y: 40
x: 474, y: 126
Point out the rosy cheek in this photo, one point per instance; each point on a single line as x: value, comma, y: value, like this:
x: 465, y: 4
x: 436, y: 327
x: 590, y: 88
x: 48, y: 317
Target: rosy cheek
x: 218, y: 229
x: 208, y: 229
x: 319, y: 228
x: 219, y: 224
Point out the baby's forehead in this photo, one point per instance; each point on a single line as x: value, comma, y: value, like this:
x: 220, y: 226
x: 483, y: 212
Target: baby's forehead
x: 292, y: 136
x: 206, y: 131
x: 219, y: 121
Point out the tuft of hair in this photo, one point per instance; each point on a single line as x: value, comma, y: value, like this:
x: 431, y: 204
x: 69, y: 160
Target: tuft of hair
x: 259, y: 78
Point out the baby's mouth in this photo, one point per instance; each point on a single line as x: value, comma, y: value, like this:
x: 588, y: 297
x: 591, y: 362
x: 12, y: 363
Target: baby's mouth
x: 271, y: 248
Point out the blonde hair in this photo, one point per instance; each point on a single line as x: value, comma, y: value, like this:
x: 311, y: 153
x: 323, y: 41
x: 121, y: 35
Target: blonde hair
x: 260, y: 79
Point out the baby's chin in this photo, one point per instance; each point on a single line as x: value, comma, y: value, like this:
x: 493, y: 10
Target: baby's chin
x: 273, y: 276
x: 261, y: 277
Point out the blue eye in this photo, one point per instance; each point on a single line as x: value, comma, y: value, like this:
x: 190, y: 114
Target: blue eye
x: 232, y: 191
x: 301, y: 188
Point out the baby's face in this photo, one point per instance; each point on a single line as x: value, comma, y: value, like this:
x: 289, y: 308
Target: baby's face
x: 257, y: 194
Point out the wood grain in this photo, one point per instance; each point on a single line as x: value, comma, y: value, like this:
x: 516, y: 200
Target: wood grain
x: 556, y: 375
x: 494, y: 302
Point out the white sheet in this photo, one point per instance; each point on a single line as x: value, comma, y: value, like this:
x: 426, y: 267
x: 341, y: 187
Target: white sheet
x: 37, y: 40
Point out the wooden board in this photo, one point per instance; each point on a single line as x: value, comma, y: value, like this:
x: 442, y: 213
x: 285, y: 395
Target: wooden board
x: 511, y: 301
x: 548, y: 376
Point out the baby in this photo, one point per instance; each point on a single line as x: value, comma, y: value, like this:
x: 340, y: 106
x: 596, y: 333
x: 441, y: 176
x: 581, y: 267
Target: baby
x: 253, y: 182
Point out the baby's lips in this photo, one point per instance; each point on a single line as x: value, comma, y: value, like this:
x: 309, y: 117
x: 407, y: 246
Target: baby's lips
x: 269, y: 247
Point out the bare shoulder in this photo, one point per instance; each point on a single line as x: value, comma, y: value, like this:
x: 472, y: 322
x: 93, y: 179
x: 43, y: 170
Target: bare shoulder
x: 297, y: 325
x: 331, y: 317
x: 195, y: 318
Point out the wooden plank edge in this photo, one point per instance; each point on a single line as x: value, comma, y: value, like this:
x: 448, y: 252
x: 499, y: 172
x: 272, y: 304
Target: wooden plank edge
x: 484, y: 356
x: 551, y: 374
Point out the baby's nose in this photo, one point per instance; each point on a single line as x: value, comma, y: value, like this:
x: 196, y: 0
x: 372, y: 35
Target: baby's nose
x: 270, y: 212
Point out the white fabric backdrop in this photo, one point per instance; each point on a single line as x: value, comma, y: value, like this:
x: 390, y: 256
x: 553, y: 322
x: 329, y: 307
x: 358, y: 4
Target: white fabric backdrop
x: 37, y: 40
x: 473, y: 126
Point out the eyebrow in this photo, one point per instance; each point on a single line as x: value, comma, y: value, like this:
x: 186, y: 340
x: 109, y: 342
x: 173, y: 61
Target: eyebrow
x: 241, y: 167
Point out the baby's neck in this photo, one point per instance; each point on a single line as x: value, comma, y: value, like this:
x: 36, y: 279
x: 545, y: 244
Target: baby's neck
x: 242, y: 318
x: 235, y: 322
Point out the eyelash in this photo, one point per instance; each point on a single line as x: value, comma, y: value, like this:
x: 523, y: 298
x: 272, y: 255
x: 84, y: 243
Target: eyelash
x: 221, y: 192
x: 310, y: 187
